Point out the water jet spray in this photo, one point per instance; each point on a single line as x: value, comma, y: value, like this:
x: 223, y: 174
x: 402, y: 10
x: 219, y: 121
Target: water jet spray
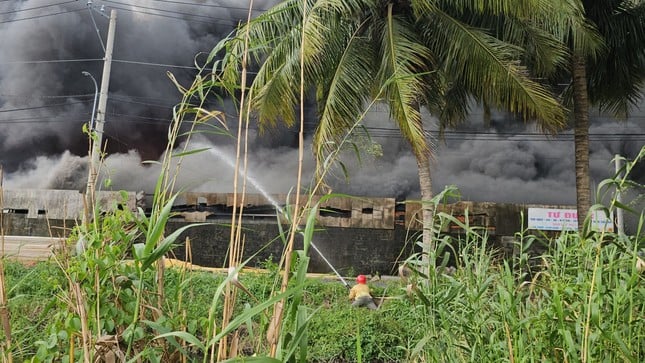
x: 222, y: 156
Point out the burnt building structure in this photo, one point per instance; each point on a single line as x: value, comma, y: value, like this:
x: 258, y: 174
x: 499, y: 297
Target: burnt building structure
x: 356, y: 234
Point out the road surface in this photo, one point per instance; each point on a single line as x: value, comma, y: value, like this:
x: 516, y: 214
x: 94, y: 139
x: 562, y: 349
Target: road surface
x: 30, y: 249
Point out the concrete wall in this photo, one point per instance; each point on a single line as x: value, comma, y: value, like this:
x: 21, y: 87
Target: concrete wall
x: 358, y: 235
x: 19, y: 225
x: 59, y: 204
x: 350, y: 250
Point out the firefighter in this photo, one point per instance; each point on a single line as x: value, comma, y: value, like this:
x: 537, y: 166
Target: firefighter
x: 360, y: 293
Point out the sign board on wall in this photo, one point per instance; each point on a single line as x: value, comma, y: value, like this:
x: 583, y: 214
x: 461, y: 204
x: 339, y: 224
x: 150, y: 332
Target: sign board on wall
x: 551, y: 219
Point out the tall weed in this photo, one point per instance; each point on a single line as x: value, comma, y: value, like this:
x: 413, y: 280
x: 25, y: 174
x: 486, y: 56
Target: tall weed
x: 582, y: 299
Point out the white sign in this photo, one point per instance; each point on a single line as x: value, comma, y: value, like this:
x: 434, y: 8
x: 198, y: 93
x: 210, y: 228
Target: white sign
x: 548, y: 219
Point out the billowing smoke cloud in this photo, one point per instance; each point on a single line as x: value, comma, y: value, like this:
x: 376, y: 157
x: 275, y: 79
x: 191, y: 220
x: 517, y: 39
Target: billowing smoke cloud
x: 44, y: 47
x: 507, y: 162
x: 42, y: 145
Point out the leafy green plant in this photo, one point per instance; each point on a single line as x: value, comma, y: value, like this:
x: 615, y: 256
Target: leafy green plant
x: 581, y: 299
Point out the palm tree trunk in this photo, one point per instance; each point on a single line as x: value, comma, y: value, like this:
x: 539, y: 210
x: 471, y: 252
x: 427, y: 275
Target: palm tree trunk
x: 425, y: 183
x: 581, y: 137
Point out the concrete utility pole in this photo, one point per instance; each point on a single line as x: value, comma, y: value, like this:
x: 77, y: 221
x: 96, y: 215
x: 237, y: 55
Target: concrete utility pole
x: 95, y: 156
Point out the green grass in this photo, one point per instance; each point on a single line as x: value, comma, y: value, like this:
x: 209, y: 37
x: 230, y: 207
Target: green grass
x: 587, y: 300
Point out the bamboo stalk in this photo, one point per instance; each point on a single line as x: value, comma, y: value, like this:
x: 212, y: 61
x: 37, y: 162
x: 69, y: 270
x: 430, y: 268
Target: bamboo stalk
x: 234, y: 242
x: 275, y: 326
x: 82, y: 313
x: 161, y: 270
x: 184, y: 269
x: 71, y: 348
x: 4, y: 310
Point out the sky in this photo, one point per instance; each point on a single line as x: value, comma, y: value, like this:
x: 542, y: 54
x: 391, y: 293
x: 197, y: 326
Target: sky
x: 45, y: 45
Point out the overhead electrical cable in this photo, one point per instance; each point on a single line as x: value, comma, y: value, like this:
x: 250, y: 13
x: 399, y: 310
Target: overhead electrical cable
x: 42, y: 16
x: 166, y: 11
x: 207, y: 5
x: 215, y: 20
x: 100, y: 59
x: 448, y: 136
x: 43, y: 120
x: 153, y: 64
x: 121, y: 99
x: 45, y: 106
x: 37, y: 7
x: 46, y: 96
x: 162, y: 65
x: 52, y: 61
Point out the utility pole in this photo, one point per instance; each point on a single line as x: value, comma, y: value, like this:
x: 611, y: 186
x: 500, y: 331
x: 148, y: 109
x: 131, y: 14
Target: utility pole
x: 97, y: 138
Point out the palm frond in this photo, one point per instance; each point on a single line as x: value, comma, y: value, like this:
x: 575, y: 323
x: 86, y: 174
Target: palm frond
x: 345, y: 80
x: 276, y: 45
x: 405, y: 60
x: 489, y: 69
x: 273, y: 91
x: 616, y: 76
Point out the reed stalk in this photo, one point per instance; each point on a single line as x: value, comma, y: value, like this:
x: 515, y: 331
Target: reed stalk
x: 235, y: 248
x: 276, y: 319
x: 86, y: 335
x: 4, y: 310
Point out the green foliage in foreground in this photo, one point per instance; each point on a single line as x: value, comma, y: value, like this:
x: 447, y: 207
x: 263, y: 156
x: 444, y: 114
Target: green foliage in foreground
x: 581, y: 297
x: 585, y: 300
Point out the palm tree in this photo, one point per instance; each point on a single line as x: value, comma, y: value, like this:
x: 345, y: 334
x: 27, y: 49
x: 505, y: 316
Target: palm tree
x: 609, y: 79
x: 407, y: 53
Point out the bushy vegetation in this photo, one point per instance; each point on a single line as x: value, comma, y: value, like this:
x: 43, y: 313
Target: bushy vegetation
x: 580, y: 297
x: 584, y: 301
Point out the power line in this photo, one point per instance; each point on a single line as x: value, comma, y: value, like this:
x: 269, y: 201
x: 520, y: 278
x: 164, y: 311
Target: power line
x: 207, y: 5
x: 47, y: 96
x: 53, y: 61
x: 122, y: 99
x: 153, y: 64
x: 37, y: 7
x: 130, y: 118
x: 164, y: 11
x: 45, y: 106
x: 230, y: 22
x: 376, y: 132
x: 40, y: 121
x: 174, y: 100
x: 113, y: 96
x: 42, y: 16
x: 450, y: 136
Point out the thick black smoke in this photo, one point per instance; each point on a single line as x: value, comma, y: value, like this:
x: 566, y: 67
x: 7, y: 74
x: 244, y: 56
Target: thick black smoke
x: 42, y: 145
x: 506, y: 161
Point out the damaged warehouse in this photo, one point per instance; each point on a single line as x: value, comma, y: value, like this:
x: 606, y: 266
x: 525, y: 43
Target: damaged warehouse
x: 356, y: 233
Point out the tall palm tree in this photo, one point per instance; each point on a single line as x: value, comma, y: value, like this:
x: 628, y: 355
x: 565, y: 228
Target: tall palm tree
x: 407, y: 53
x: 611, y: 79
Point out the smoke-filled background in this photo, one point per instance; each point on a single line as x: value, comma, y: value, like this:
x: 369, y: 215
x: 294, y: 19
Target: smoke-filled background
x: 45, y: 100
